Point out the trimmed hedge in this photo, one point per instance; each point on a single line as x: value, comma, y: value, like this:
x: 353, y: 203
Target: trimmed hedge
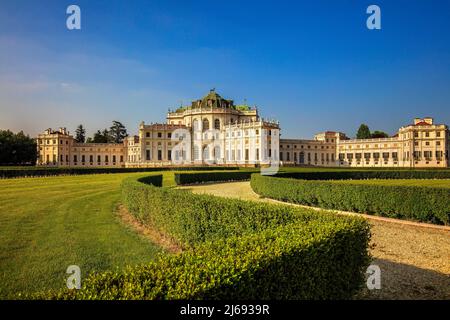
x: 319, y: 260
x: 192, y: 218
x: 235, y: 249
x: 366, y: 174
x: 200, y: 177
x: 42, y: 172
x: 423, y: 204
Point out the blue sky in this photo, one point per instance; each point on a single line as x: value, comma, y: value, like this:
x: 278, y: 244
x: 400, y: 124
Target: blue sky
x: 313, y: 65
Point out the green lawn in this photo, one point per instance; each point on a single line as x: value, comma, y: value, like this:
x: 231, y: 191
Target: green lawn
x: 49, y: 223
x: 434, y: 183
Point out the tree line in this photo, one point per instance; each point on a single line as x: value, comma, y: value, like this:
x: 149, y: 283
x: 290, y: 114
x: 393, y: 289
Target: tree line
x: 115, y: 134
x: 20, y: 149
x: 17, y: 148
x: 364, y: 133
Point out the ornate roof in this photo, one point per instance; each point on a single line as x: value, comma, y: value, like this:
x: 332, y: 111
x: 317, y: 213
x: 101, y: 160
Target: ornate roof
x: 213, y: 100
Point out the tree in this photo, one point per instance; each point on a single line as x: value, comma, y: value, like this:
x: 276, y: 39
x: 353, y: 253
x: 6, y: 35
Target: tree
x: 80, y: 134
x: 17, y: 149
x: 379, y: 134
x: 117, y: 132
x: 363, y: 132
x: 100, y: 137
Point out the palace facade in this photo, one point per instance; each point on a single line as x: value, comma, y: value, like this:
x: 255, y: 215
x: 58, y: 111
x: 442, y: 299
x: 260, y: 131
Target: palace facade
x: 214, y: 130
x: 418, y: 145
x: 210, y: 131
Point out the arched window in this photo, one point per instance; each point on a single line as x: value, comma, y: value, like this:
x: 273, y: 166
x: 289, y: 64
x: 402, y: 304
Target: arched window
x: 205, y: 124
x: 196, y: 153
x: 206, y: 153
x: 217, y: 124
x: 195, y: 125
x: 216, y: 153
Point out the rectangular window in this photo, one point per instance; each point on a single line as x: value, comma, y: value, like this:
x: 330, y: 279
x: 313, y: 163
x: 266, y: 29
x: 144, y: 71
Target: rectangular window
x: 159, y: 155
x: 169, y: 155
x: 114, y: 159
x: 75, y: 158
x: 121, y: 158
x: 147, y: 155
x: 99, y: 159
x: 385, y: 155
x: 91, y: 158
x: 83, y: 158
x: 106, y: 159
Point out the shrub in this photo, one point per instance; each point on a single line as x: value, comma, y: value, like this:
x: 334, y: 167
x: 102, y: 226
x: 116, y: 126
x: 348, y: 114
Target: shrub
x: 199, y: 177
x: 319, y: 260
x: 192, y: 218
x: 404, y: 202
x: 366, y: 174
x: 235, y: 250
x: 16, y: 172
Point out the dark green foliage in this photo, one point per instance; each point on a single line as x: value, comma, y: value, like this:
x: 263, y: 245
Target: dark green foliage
x: 17, y: 149
x: 118, y: 132
x: 379, y: 134
x: 200, y: 177
x: 80, y: 134
x: 424, y: 204
x: 41, y: 171
x: 363, y: 132
x: 318, y: 260
x: 367, y: 174
x: 235, y: 250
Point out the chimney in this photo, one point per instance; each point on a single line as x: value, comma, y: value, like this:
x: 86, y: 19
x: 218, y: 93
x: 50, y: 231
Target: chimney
x: 428, y: 120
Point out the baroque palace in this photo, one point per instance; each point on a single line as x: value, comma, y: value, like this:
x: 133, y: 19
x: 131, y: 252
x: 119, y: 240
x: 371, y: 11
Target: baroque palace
x: 214, y: 130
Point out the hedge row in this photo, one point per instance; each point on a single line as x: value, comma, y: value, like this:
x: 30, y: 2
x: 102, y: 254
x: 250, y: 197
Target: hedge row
x: 312, y: 261
x: 41, y: 172
x: 192, y: 218
x: 200, y: 177
x: 235, y: 250
x: 423, y: 204
x: 367, y: 174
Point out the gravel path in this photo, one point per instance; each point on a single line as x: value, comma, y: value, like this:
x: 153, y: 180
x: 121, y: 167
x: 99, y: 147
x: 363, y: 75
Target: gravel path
x: 414, y: 260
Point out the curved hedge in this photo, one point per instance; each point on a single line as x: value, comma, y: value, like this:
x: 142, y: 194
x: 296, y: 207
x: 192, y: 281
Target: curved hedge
x: 200, y: 177
x: 42, y: 172
x: 366, y: 174
x: 235, y: 249
x: 423, y: 204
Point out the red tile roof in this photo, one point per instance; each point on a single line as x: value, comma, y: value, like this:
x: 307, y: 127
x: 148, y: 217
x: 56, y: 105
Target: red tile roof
x: 422, y: 123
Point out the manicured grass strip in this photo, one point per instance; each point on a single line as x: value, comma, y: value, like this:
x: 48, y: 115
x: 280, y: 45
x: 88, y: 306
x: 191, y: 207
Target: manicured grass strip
x: 365, y: 174
x: 14, y: 172
x: 201, y: 177
x: 432, y: 183
x: 425, y: 204
x: 49, y: 223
